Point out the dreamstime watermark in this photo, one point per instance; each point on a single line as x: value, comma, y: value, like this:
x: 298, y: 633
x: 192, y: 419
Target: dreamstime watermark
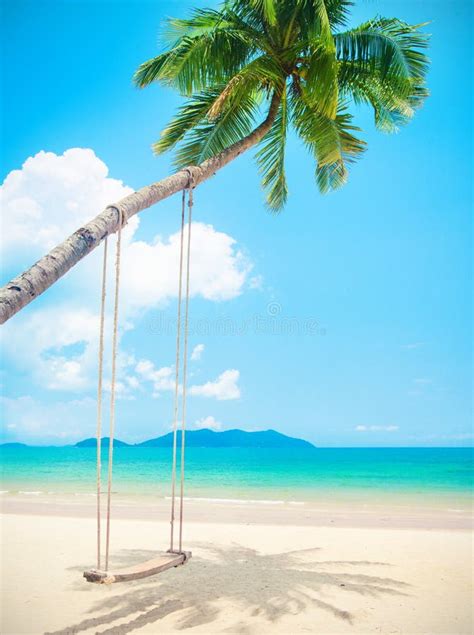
x: 272, y: 322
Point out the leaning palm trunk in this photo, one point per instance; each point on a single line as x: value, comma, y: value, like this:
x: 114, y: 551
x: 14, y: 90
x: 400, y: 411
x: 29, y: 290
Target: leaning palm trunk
x: 22, y: 290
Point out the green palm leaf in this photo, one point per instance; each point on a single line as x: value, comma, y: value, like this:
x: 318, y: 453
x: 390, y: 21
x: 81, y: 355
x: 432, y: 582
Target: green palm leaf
x: 220, y: 104
x: 263, y: 72
x: 321, y: 81
x: 329, y: 140
x: 271, y: 159
x: 313, y: 22
x: 253, y: 67
x: 187, y: 118
x: 267, y: 8
x: 385, y: 45
x: 393, y: 99
x: 338, y: 11
x: 211, y: 137
x: 201, y: 56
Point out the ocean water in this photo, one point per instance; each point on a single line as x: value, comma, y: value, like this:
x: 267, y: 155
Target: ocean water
x: 271, y: 475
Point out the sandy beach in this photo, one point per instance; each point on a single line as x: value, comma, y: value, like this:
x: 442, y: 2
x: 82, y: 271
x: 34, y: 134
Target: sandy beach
x: 252, y: 571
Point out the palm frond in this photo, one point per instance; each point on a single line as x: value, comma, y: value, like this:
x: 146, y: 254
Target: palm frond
x: 257, y: 14
x: 206, y: 21
x: 267, y: 8
x: 386, y: 45
x: 230, y: 61
x: 338, y: 11
x: 200, y: 22
x: 189, y: 115
x: 321, y: 80
x: 211, y: 137
x: 263, y: 72
x: 393, y: 98
x: 208, y: 51
x: 331, y: 141
x: 271, y: 159
x: 314, y: 23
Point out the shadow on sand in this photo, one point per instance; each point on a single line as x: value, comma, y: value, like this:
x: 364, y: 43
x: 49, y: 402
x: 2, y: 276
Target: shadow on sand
x: 267, y: 586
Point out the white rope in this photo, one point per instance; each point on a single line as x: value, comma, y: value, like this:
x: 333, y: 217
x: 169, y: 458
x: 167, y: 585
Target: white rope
x: 112, y: 385
x: 185, y: 364
x: 176, y: 385
x: 113, y: 382
x: 99, y: 397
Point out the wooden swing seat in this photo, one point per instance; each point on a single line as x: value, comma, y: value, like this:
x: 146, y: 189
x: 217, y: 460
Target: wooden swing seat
x: 151, y: 567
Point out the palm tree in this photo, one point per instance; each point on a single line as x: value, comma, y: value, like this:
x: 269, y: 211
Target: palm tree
x: 283, y: 63
x: 292, y: 60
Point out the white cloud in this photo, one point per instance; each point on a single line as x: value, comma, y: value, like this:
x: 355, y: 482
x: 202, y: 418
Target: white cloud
x: 56, y: 345
x: 133, y: 382
x: 163, y: 379
x: 58, y: 348
x: 218, y: 269
x: 208, y: 422
x: 422, y: 381
x: 225, y: 387
x: 51, y: 196
x: 197, y: 352
x: 29, y: 420
x: 376, y: 428
x: 45, y: 201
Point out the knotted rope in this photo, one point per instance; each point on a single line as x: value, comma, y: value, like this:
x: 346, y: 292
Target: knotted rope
x: 185, y: 356
x: 185, y: 366
x: 112, y: 390
x: 99, y: 397
x: 112, y: 383
x: 114, y: 373
x: 176, y: 383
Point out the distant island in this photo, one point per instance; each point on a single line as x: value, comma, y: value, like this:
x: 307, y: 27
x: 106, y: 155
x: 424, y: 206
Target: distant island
x: 13, y: 445
x: 104, y: 443
x: 204, y: 438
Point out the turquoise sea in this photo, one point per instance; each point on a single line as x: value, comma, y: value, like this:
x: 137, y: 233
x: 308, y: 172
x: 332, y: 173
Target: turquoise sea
x: 247, y: 474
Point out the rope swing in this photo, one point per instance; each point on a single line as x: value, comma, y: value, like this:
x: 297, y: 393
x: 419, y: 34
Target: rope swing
x: 177, y: 365
x: 173, y: 557
x: 112, y: 392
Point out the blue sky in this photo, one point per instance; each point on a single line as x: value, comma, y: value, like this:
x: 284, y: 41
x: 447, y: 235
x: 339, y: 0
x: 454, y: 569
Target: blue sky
x: 374, y: 280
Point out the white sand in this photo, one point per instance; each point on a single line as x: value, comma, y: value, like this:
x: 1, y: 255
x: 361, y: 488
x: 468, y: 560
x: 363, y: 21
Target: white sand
x: 243, y: 578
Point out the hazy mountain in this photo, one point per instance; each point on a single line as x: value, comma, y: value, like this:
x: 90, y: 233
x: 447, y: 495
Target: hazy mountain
x: 206, y: 438
x: 92, y: 443
x: 13, y: 445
